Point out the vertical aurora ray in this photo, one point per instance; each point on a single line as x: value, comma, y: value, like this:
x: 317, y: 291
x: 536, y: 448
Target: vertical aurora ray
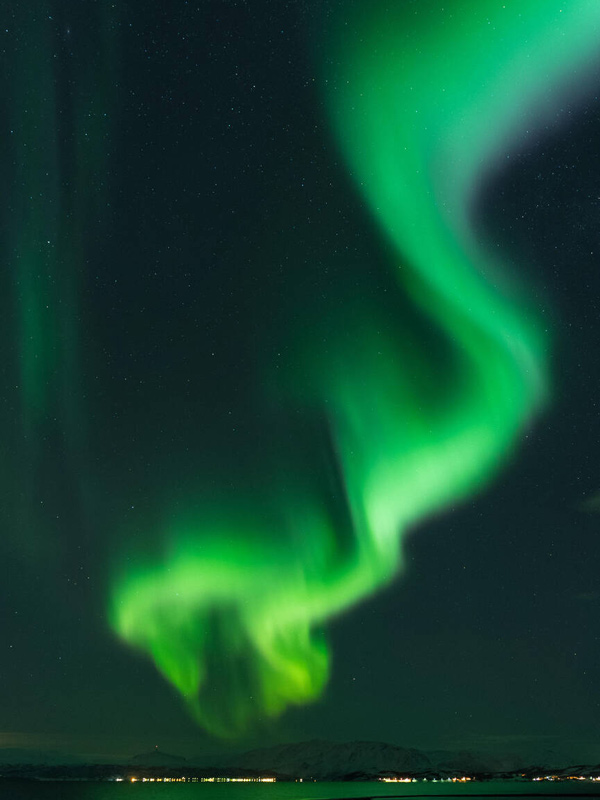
x: 33, y: 221
x: 54, y: 162
x: 423, y: 102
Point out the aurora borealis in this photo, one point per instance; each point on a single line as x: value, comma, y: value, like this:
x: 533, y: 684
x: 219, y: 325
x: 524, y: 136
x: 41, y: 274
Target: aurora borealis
x: 240, y: 601
x: 55, y: 159
x: 270, y: 326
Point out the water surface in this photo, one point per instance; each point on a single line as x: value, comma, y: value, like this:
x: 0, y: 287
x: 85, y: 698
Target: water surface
x: 59, y: 790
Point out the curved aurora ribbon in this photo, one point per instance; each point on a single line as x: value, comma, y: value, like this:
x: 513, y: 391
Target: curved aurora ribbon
x: 423, y: 101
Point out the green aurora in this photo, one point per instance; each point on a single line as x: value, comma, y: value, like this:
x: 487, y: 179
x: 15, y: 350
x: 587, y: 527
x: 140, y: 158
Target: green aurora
x: 424, y: 103
x: 55, y: 163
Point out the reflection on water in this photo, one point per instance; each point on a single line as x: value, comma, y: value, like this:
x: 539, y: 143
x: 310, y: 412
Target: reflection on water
x: 282, y: 791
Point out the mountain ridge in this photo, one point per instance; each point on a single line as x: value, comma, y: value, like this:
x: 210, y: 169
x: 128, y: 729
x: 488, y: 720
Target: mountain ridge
x: 326, y: 760
x: 316, y: 759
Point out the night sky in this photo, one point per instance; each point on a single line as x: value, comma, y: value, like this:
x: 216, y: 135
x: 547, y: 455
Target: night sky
x: 299, y: 380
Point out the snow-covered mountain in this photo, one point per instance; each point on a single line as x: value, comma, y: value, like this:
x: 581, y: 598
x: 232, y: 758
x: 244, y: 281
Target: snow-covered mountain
x: 320, y: 759
x: 325, y: 760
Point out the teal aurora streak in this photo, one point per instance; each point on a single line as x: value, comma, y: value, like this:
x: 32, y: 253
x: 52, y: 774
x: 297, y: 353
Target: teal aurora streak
x: 54, y: 166
x: 424, y: 101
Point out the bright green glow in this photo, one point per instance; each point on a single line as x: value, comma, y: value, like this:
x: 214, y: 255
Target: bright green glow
x: 422, y: 102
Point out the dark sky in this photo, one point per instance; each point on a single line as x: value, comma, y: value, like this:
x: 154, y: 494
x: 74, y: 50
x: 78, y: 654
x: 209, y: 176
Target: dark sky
x: 177, y: 222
